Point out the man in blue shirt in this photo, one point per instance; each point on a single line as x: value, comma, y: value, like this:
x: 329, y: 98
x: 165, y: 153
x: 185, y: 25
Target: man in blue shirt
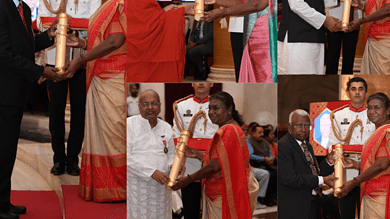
x: 262, y: 160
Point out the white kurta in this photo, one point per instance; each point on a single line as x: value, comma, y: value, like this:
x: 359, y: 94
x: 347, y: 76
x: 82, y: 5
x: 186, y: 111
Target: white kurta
x: 343, y: 118
x: 302, y: 58
x: 187, y: 109
x: 146, y: 198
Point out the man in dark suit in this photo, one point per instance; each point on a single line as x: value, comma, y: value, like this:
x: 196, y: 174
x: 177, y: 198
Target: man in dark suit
x: 299, y: 177
x: 201, y: 43
x: 18, y: 74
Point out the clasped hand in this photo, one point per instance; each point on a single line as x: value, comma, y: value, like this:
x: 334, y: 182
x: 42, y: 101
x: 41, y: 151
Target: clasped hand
x: 332, y: 24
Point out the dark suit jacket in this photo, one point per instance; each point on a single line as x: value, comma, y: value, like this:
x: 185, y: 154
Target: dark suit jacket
x: 18, y: 71
x: 208, y: 33
x: 295, y: 179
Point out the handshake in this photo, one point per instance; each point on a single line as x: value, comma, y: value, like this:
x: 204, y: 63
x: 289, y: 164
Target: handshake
x: 71, y: 67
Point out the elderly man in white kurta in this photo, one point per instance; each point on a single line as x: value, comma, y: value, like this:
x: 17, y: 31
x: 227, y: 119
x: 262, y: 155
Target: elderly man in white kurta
x: 150, y: 152
x: 301, y: 36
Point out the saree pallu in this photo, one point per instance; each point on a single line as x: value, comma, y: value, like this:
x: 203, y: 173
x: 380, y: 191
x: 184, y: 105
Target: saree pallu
x: 103, y: 166
x: 155, y: 43
x: 376, y: 57
x: 110, y: 18
x: 259, y: 60
x: 234, y: 184
x: 375, y: 191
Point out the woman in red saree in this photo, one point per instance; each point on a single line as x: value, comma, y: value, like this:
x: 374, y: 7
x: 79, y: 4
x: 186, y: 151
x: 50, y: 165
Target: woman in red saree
x: 375, y: 171
x: 376, y: 35
x: 229, y: 188
x: 103, y: 166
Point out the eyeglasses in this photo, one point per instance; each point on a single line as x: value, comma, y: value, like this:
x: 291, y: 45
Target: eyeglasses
x: 299, y: 126
x: 146, y: 104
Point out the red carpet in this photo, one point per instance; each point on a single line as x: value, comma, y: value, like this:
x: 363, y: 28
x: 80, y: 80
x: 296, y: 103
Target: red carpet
x: 76, y: 208
x: 39, y: 204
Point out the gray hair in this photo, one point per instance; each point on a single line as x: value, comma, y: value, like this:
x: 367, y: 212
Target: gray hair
x: 300, y: 112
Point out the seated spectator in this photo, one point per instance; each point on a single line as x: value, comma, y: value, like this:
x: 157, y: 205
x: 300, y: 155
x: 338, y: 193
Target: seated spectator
x: 270, y: 137
x: 201, y: 43
x: 261, y: 157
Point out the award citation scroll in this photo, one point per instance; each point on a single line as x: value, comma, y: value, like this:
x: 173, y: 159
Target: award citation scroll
x: 179, y: 159
x: 346, y: 14
x: 339, y: 170
x: 199, y: 9
x: 61, y: 35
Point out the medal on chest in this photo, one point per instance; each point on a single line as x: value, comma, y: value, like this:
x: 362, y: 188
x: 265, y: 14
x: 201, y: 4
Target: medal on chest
x: 165, y: 146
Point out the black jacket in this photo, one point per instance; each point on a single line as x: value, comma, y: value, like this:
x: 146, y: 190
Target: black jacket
x: 18, y: 71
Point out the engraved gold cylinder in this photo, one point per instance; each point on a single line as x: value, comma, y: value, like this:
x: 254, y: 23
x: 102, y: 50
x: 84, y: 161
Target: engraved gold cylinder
x: 179, y: 158
x: 339, y: 170
x: 62, y: 29
x: 346, y: 13
x: 199, y: 9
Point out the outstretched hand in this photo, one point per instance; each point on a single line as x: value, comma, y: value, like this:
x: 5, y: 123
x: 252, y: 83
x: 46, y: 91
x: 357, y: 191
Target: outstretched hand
x: 181, y: 183
x: 72, y: 67
x: 74, y: 41
x: 52, y: 74
x: 191, y: 152
x: 346, y: 188
x: 51, y: 31
x: 332, y: 24
x: 212, y: 15
x: 354, y: 25
x: 329, y: 180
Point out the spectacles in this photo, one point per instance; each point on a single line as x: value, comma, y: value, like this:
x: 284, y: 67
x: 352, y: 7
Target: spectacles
x: 146, y: 104
x: 299, y: 126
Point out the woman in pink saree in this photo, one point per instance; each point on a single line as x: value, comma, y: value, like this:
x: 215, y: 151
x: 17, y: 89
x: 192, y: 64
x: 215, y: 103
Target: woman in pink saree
x: 259, y: 59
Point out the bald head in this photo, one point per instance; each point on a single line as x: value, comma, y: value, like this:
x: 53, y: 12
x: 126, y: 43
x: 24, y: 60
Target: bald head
x: 149, y: 106
x: 149, y: 92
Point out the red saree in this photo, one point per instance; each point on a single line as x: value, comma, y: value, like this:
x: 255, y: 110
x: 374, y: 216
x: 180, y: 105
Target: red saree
x: 377, y: 30
x: 155, y: 42
x: 108, y: 19
x: 103, y: 165
x: 229, y: 146
x: 376, y: 146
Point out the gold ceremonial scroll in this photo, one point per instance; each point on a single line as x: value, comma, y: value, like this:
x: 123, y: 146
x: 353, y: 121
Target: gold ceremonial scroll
x: 199, y: 9
x: 179, y: 159
x: 62, y: 29
x: 339, y: 170
x: 346, y: 13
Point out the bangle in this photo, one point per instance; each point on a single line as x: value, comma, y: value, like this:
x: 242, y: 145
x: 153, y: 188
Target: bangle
x: 83, y: 59
x: 356, y: 180
x: 364, y: 7
x: 364, y: 19
x: 85, y: 43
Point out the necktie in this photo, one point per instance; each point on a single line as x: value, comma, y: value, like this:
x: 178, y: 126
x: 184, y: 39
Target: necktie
x: 20, y: 8
x: 312, y: 166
